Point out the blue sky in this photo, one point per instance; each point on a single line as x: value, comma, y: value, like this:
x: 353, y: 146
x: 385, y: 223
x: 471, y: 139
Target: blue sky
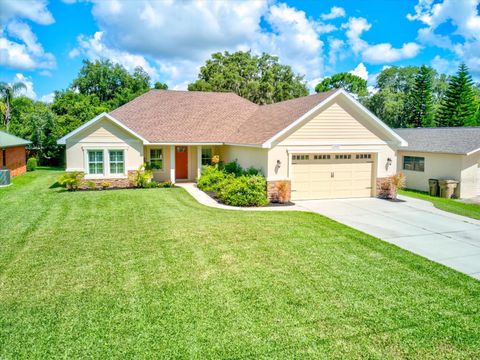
x: 42, y: 43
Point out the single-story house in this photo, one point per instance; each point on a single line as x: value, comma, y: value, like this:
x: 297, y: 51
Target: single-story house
x: 325, y: 145
x: 444, y: 154
x: 13, y: 155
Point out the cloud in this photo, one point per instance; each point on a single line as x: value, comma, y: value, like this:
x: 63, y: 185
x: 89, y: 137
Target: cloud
x: 463, y: 16
x: 163, y: 37
x: 34, y: 10
x: 95, y: 48
x: 19, y: 47
x: 375, y: 53
x: 335, y: 12
x: 48, y: 98
x: 360, y: 71
x: 28, y: 92
x: 335, y: 49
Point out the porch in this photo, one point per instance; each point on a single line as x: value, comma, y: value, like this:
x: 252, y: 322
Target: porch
x: 179, y: 162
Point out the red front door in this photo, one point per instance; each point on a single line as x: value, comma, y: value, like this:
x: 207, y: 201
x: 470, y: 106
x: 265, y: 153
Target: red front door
x: 181, y: 162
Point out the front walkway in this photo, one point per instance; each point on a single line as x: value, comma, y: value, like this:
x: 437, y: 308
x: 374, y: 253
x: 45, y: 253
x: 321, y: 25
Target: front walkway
x: 414, y: 225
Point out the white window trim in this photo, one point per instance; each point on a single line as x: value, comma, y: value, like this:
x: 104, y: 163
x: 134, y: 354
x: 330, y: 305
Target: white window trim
x: 106, y: 163
x: 162, y: 170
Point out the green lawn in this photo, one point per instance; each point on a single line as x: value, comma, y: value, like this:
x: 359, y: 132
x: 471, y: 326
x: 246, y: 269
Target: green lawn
x: 153, y: 274
x: 450, y: 205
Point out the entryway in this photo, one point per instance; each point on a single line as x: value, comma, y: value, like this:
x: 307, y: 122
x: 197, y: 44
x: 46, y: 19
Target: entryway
x: 181, y: 162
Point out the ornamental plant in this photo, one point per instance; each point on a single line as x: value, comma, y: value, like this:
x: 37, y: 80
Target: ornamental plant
x: 71, y: 180
x: 143, y: 176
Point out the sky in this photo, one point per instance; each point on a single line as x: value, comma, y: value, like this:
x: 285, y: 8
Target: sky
x: 43, y: 43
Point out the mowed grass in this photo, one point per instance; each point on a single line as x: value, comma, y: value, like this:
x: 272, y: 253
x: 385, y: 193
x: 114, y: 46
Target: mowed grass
x: 153, y: 274
x: 451, y: 205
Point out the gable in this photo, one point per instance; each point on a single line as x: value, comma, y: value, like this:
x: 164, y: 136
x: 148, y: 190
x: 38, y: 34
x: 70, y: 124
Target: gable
x: 338, y: 122
x: 103, y: 131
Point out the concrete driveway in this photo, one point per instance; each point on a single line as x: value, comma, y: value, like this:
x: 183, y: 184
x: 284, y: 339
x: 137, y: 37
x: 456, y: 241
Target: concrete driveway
x: 414, y: 225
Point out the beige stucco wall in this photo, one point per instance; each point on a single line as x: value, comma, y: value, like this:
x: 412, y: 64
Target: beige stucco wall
x: 437, y: 166
x: 103, y: 135
x: 245, y: 156
x: 470, y: 186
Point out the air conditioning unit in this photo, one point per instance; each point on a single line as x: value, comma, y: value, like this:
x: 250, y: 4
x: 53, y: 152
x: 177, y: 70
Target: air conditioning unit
x: 4, y: 177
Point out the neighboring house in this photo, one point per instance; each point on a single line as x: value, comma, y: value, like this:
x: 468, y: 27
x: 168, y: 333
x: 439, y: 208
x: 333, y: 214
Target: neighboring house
x: 12, y: 154
x: 325, y: 145
x: 442, y: 153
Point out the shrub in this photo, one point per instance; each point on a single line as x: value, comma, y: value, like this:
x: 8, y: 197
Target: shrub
x: 398, y: 181
x: 71, y: 180
x: 165, y: 184
x: 91, y: 185
x: 151, y: 184
x: 389, y: 186
x: 142, y: 177
x: 244, y: 191
x: 210, y: 178
x: 282, y: 191
x: 252, y: 171
x: 105, y: 185
x: 32, y: 164
x: 233, y: 168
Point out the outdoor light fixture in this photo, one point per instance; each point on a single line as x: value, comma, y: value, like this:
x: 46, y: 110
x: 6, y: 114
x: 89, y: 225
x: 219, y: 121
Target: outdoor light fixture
x: 389, y: 162
x: 279, y: 163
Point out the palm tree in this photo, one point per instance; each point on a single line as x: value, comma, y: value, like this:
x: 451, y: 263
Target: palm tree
x: 8, y: 92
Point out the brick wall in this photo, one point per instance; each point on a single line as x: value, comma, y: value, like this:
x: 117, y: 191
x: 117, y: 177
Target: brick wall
x: 273, y: 193
x: 16, y: 160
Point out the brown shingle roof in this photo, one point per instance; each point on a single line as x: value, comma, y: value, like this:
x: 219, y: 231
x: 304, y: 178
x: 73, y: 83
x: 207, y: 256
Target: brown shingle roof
x: 191, y: 116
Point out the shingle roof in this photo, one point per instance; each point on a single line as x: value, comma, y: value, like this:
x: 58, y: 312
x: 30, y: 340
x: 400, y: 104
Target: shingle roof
x: 9, y: 140
x: 191, y: 116
x: 453, y: 140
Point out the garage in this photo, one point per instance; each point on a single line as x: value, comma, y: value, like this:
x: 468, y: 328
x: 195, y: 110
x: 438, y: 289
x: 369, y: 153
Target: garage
x: 328, y: 176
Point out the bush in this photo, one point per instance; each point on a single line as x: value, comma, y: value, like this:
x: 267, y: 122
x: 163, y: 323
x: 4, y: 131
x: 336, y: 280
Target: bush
x: 151, y: 184
x: 233, y: 168
x: 91, y: 185
x: 105, y: 185
x: 165, y: 184
x: 71, y: 180
x: 283, y: 191
x: 244, y: 191
x: 142, y: 177
x: 32, y: 164
x: 211, y: 177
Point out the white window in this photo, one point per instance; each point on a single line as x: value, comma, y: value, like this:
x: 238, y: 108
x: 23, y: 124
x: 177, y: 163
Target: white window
x: 156, y: 159
x: 95, y: 162
x: 206, y: 156
x: 117, y: 162
x: 321, y: 157
x: 300, y: 157
x: 363, y: 156
x: 343, y: 156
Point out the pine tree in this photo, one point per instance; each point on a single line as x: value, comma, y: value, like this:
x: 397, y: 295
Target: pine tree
x: 458, y: 105
x: 421, y: 99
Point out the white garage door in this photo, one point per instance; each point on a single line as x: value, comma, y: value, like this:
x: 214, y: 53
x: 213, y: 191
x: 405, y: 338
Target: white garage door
x: 329, y: 176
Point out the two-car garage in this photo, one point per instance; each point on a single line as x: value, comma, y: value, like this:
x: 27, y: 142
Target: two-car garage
x: 327, y: 176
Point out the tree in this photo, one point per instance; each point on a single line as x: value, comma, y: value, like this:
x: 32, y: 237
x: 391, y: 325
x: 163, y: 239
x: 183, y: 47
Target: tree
x: 422, y: 107
x: 261, y: 79
x: 351, y: 83
x: 111, y: 83
x: 458, y: 105
x: 8, y: 92
x: 160, y: 86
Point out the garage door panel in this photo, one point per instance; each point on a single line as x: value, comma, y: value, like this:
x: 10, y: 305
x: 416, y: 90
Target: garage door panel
x: 313, y: 180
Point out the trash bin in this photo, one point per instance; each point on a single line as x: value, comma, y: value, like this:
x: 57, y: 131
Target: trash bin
x: 433, y: 186
x: 447, y: 188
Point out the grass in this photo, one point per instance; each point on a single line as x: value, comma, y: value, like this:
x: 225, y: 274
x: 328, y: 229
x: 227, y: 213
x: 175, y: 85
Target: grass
x: 153, y: 274
x: 451, y: 205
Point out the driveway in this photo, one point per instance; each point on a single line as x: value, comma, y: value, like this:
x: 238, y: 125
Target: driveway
x: 414, y: 225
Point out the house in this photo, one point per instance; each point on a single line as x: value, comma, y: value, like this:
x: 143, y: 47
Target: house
x: 442, y: 153
x: 325, y: 145
x: 13, y: 154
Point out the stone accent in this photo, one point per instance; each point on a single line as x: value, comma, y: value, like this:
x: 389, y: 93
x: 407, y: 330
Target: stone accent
x: 384, y: 188
x: 274, y: 193
x: 16, y: 160
x: 114, y: 182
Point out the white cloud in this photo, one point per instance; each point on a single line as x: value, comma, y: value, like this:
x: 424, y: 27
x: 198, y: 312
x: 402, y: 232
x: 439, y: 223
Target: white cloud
x: 360, y: 71
x: 48, y: 98
x: 335, y: 12
x: 95, y: 48
x: 375, y: 53
x: 34, y: 10
x: 19, y: 47
x: 175, y: 38
x: 335, y: 49
x: 28, y: 92
x: 463, y: 15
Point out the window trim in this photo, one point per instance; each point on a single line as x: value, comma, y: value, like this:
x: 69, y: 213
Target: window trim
x: 106, y: 162
x: 414, y: 160
x: 162, y: 154
x: 109, y: 162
